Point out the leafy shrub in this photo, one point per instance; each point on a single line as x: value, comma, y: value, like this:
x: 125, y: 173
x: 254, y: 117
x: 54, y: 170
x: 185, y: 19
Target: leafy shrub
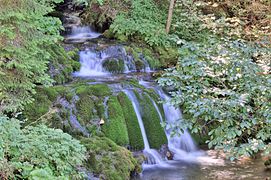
x: 38, y: 152
x: 26, y: 35
x: 222, y: 87
x: 145, y: 21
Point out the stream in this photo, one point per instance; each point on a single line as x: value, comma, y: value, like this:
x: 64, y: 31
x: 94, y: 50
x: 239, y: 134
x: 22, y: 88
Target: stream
x: 107, y: 62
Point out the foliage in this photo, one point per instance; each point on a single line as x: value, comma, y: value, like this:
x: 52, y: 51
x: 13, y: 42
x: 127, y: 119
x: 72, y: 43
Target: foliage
x: 25, y: 36
x: 101, y: 13
x: 144, y: 21
x: 249, y: 19
x: 187, y: 22
x: 108, y: 159
x: 221, y: 87
x: 38, y: 152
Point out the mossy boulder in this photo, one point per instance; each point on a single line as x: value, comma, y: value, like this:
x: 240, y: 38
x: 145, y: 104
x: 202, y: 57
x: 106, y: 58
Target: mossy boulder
x: 114, y: 65
x: 151, y: 120
x: 115, y: 126
x: 108, y: 160
x: 134, y: 132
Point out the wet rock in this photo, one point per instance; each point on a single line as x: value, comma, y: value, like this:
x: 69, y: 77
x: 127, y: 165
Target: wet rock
x: 166, y: 153
x: 114, y: 65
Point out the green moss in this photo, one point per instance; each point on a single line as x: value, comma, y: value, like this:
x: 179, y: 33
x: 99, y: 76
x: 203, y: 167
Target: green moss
x: 121, y: 37
x: 109, y: 160
x: 114, y: 65
x: 115, y: 127
x: 134, y: 132
x: 96, y: 90
x: 85, y: 110
x: 40, y: 106
x: 109, y: 34
x: 148, y: 53
x: 151, y: 120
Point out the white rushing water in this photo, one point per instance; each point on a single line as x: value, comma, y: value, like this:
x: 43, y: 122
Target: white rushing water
x: 91, y: 64
x: 81, y: 34
x: 92, y: 61
x: 181, y: 144
x: 153, y: 156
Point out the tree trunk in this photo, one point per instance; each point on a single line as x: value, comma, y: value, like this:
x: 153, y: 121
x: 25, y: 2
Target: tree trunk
x: 169, y: 18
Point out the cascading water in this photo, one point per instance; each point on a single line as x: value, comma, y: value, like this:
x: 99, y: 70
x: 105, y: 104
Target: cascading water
x: 153, y: 156
x: 182, y: 144
x: 105, y: 103
x: 81, y: 34
x: 91, y: 64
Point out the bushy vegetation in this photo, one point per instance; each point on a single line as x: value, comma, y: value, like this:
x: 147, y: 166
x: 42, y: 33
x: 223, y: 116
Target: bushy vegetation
x: 222, y: 83
x: 38, y: 152
x: 26, y: 36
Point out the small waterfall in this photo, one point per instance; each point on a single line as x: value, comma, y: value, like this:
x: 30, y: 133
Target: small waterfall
x: 81, y: 34
x: 95, y: 62
x: 91, y: 64
x: 153, y: 156
x: 179, y: 145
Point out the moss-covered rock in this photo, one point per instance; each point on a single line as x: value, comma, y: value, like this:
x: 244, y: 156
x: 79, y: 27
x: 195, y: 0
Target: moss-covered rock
x: 108, y: 160
x: 134, y: 132
x: 115, y: 127
x: 151, y: 120
x: 98, y: 90
x: 114, y: 65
